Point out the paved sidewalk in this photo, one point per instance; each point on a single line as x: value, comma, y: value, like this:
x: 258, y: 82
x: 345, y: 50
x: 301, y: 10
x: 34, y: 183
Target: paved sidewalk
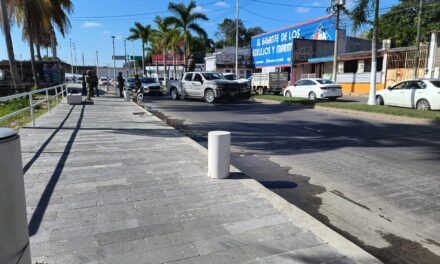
x: 106, y: 183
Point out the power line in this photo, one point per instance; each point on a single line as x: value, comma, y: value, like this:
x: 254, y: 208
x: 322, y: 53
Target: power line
x: 136, y: 15
x: 291, y: 5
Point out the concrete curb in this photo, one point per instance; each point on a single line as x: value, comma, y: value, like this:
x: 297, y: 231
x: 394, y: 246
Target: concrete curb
x: 301, y: 218
x: 354, y: 113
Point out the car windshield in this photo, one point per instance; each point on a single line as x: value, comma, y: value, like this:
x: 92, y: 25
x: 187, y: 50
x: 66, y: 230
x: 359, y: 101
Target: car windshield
x: 212, y: 76
x: 230, y: 77
x: 324, y: 81
x: 148, y: 80
x: 130, y: 80
x: 103, y: 79
x: 436, y: 83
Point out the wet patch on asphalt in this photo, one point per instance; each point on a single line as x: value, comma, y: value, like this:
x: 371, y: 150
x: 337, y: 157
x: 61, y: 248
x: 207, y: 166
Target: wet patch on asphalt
x: 298, y: 190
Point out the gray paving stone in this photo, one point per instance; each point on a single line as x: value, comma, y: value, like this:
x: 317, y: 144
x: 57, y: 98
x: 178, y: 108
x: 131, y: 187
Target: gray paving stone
x: 129, y: 189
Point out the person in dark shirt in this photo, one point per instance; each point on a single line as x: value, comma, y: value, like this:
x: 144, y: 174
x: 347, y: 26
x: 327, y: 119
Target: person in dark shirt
x: 120, y: 84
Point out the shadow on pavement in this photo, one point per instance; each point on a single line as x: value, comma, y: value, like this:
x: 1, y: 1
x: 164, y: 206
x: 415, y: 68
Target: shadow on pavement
x: 40, y: 209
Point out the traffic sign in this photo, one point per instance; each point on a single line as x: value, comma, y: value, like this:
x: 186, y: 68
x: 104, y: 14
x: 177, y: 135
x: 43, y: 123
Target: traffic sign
x: 118, y: 57
x: 137, y: 58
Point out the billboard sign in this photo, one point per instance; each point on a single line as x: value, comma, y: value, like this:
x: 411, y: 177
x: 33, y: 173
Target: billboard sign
x: 305, y: 49
x: 274, y: 49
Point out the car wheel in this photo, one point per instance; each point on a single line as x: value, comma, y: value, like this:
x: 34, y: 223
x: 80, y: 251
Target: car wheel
x: 312, y: 96
x: 423, y: 105
x: 379, y: 100
x: 288, y: 94
x: 332, y: 99
x: 209, y: 96
x: 174, y: 94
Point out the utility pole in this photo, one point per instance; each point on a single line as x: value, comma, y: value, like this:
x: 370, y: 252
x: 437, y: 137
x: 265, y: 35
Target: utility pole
x: 335, y: 52
x: 114, y: 58
x: 83, y: 60
x: 134, y: 57
x: 71, y: 56
x: 125, y: 51
x: 97, y: 64
x: 76, y: 62
x: 236, y: 36
x: 419, y: 21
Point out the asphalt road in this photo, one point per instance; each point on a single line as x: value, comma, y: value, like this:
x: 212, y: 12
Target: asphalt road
x: 375, y: 182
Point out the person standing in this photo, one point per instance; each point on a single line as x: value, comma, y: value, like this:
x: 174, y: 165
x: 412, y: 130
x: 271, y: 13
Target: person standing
x: 84, y: 85
x: 96, y: 84
x: 90, y: 80
x: 120, y: 84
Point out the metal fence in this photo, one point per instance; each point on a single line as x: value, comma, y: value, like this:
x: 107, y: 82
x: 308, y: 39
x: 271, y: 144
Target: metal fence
x: 59, y: 89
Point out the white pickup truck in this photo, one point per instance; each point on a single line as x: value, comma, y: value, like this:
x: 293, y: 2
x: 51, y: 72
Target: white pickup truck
x: 207, y: 85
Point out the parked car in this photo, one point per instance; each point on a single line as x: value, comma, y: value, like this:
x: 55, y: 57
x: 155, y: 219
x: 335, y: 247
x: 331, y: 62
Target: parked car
x: 129, y: 83
x: 423, y: 94
x: 79, y: 80
x: 103, y: 81
x: 273, y: 82
x: 151, y: 86
x: 208, y: 85
x: 314, y: 88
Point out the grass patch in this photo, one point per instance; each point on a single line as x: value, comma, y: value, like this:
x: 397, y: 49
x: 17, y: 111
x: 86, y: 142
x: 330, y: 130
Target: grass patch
x: 25, y: 117
x: 396, y: 111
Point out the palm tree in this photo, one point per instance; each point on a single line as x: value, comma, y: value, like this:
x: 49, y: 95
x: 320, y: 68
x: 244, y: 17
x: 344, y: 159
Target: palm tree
x: 360, y: 15
x: 162, y: 36
x: 6, y: 27
x: 174, y: 41
x: 185, y: 18
x: 144, y: 34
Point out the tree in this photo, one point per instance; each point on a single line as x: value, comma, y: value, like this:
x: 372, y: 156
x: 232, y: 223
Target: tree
x: 6, y: 27
x: 162, y: 36
x: 185, y: 18
x: 175, y: 38
x: 403, y: 16
x: 360, y: 15
x: 142, y: 33
x: 226, y: 33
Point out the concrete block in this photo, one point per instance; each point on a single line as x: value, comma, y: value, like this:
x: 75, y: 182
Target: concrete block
x: 74, y: 98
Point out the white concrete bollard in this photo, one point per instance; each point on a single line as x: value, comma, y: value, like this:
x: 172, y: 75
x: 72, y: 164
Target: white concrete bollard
x: 127, y: 95
x: 219, y: 144
x: 14, y: 235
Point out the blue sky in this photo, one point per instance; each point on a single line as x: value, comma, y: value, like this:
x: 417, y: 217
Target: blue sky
x: 95, y: 21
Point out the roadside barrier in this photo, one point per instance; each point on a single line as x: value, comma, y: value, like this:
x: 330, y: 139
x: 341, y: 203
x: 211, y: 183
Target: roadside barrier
x: 59, y: 89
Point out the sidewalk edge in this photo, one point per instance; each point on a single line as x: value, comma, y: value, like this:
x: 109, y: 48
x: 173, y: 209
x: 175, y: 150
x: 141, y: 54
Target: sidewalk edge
x: 301, y: 218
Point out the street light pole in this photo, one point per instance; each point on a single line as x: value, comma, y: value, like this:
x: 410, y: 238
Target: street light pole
x: 134, y: 57
x: 71, y: 56
x: 114, y: 58
x: 236, y: 37
x: 97, y: 64
x: 338, y: 5
x: 76, y: 62
x: 419, y: 21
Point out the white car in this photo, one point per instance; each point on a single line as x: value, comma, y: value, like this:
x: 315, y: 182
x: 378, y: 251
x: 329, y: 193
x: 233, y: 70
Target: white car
x: 103, y: 81
x: 314, y: 88
x: 423, y: 94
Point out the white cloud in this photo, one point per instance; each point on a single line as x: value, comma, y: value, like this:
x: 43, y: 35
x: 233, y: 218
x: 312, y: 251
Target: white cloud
x: 302, y: 10
x: 90, y: 24
x: 221, y: 4
x: 200, y: 9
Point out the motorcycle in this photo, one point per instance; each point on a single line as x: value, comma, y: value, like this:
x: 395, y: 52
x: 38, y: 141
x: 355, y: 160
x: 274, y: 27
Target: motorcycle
x: 137, y: 94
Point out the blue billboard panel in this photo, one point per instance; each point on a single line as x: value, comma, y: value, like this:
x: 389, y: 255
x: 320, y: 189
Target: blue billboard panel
x: 274, y: 49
